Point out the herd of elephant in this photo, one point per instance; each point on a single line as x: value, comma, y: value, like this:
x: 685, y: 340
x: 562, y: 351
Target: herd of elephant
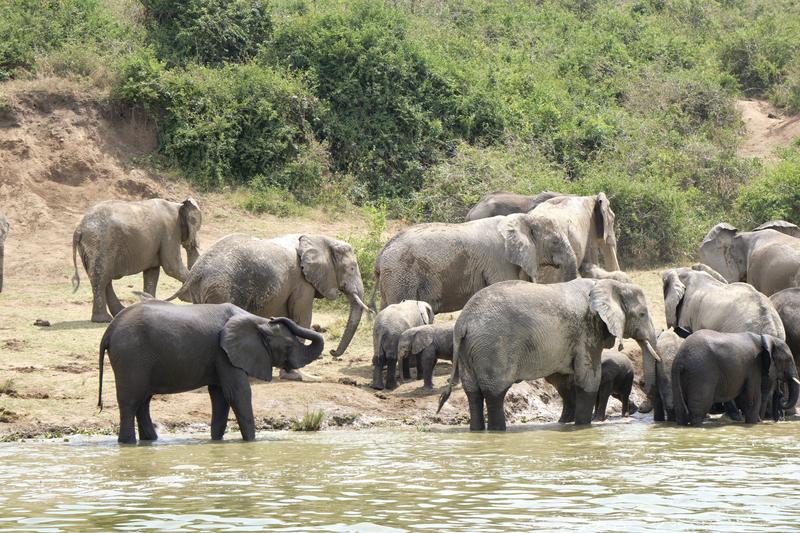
x: 525, y: 272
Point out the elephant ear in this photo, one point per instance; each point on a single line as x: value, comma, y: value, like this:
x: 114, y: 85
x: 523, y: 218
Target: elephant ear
x: 317, y: 264
x: 423, y: 337
x: 190, y: 220
x: 519, y: 246
x: 723, y: 231
x: 781, y: 225
x: 767, y: 346
x: 604, y: 299
x: 245, y: 339
x: 345, y: 264
x: 426, y: 312
x: 606, y: 218
x: 674, y: 290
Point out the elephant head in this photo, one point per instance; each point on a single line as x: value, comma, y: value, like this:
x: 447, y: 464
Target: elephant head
x: 724, y: 251
x: 330, y: 266
x: 190, y: 220
x: 4, y: 227
x: 788, y: 228
x: 533, y: 242
x: 604, y: 222
x: 623, y: 310
x: 674, y: 290
x: 778, y: 364
x: 256, y: 344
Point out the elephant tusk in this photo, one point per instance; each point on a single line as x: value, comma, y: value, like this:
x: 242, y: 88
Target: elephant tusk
x: 653, y: 353
x: 796, y: 380
x: 362, y: 305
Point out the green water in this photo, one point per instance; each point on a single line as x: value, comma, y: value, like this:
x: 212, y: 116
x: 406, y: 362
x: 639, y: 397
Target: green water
x: 619, y: 477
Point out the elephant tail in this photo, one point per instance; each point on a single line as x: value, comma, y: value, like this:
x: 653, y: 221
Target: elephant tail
x: 182, y: 291
x: 76, y: 241
x: 453, y: 375
x: 104, y: 343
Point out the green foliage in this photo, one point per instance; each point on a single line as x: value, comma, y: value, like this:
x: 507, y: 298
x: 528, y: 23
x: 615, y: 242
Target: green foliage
x: 774, y: 195
x: 264, y: 198
x: 208, y: 31
x: 369, y: 246
x: 311, y: 421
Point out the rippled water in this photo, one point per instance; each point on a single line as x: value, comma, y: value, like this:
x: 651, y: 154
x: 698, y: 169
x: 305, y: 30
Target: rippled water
x: 621, y: 477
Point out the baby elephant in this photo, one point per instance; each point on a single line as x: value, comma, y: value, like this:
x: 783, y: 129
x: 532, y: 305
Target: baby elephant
x: 616, y: 379
x: 718, y: 367
x: 389, y: 324
x: 156, y: 347
x: 428, y: 343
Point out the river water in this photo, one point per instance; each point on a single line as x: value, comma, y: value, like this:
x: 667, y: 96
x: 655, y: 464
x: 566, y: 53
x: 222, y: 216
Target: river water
x: 620, y: 477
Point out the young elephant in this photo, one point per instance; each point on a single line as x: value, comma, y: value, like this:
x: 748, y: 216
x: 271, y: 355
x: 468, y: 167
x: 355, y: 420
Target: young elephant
x: 389, y: 325
x: 616, y: 379
x: 428, y: 343
x: 516, y: 330
x: 157, y: 347
x: 718, y: 367
x: 659, y: 391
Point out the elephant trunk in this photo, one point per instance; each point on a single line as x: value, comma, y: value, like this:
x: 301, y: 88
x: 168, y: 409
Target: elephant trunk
x: 611, y: 257
x: 794, y: 392
x: 356, y: 310
x: 308, y: 352
x: 192, y: 254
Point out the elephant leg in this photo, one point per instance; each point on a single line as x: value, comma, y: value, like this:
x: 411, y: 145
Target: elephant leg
x: 495, y: 411
x: 114, y: 304
x: 584, y: 405
x: 127, y: 418
x: 99, y: 311
x: 628, y: 407
x: 732, y: 410
x: 476, y: 420
x: 428, y: 362
x: 407, y: 368
x: 147, y: 431
x: 391, y: 371
x: 420, y: 366
x: 750, y: 402
x: 238, y: 395
x: 658, y: 405
x: 601, y: 404
x: 378, y: 363
x: 219, y: 412
x: 151, y: 280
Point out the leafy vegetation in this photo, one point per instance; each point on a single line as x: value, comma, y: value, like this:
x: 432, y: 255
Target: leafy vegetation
x: 426, y: 105
x: 311, y: 421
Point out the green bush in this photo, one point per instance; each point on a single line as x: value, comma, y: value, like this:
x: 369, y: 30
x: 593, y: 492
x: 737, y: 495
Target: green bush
x: 264, y: 198
x: 774, y: 195
x: 311, y: 421
x: 367, y: 247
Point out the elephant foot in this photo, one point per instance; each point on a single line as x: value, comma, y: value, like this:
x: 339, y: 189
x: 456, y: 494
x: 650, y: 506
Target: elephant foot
x: 377, y: 385
x: 645, y: 406
x: 297, y: 375
x: 391, y: 385
x: 101, y: 317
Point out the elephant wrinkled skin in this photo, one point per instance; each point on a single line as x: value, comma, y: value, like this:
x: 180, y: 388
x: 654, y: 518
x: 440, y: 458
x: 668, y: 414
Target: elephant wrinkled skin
x: 427, y: 343
x: 116, y: 239
x: 387, y: 329
x: 515, y: 331
x: 156, y: 347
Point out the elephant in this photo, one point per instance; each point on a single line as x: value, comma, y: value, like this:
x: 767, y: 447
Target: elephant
x: 387, y: 329
x: 616, y: 378
x: 118, y: 238
x: 659, y: 390
x: 5, y: 227
x: 157, y: 347
x: 588, y: 223
x: 427, y: 343
x: 279, y: 277
x: 445, y: 264
x: 719, y: 367
x: 514, y: 331
x: 507, y: 203
x: 768, y: 257
x: 594, y: 271
x: 787, y: 304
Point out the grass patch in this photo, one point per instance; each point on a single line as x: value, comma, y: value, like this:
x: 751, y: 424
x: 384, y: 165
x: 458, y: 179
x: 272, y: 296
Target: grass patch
x: 311, y: 421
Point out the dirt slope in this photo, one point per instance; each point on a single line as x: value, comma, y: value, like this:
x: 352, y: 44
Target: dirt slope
x: 766, y: 128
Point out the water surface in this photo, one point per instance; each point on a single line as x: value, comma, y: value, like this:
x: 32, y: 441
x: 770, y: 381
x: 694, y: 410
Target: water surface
x: 620, y: 477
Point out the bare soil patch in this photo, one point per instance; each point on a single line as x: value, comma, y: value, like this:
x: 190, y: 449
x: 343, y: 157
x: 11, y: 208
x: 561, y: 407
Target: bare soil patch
x: 766, y: 128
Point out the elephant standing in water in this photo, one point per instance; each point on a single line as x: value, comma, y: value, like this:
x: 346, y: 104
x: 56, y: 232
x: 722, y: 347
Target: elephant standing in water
x: 278, y: 277
x: 157, y: 347
x: 445, y: 264
x: 767, y: 257
x: 516, y: 331
x: 507, y: 203
x: 116, y: 239
x: 787, y: 304
x: 4, y: 229
x: 659, y: 391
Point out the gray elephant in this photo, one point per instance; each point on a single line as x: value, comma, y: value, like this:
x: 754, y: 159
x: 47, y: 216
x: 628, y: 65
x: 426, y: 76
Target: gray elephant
x: 516, y: 331
x: 768, y: 257
x: 187, y: 347
x: 4, y: 229
x: 507, y: 203
x: 427, y: 343
x: 659, y: 391
x: 719, y: 367
x: 787, y: 304
x: 389, y: 325
x: 116, y: 239
x: 445, y: 264
x: 279, y: 277
x: 616, y: 379
x: 588, y: 223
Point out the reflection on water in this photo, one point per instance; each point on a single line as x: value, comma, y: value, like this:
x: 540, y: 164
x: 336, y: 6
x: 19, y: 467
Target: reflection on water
x: 623, y: 477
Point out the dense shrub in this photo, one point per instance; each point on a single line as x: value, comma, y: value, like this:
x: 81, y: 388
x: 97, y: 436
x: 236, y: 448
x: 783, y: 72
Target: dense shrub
x: 774, y: 195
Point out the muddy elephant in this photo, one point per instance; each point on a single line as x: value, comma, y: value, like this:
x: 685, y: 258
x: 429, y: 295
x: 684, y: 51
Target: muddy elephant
x: 588, y: 223
x: 712, y: 367
x: 428, y: 344
x: 515, y: 331
x: 507, y: 203
x: 190, y: 346
x: 279, y: 277
x: 445, y: 264
x: 387, y: 329
x: 116, y: 239
x: 5, y: 227
x: 768, y: 257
